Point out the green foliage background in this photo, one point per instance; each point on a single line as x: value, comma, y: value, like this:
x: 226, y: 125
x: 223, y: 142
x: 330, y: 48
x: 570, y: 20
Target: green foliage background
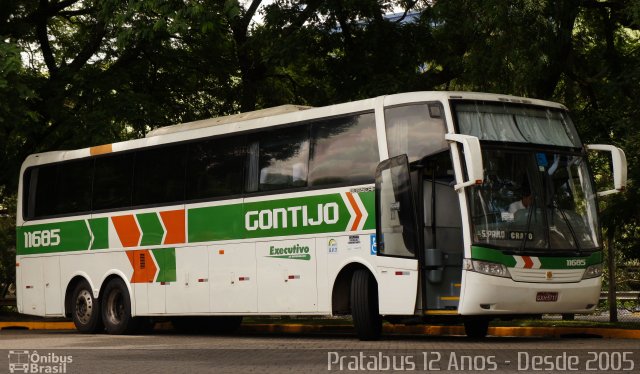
x: 77, y: 73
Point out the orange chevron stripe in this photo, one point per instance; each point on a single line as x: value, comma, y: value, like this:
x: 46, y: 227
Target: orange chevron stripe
x: 174, y: 222
x: 356, y: 209
x: 144, y: 269
x: 127, y: 230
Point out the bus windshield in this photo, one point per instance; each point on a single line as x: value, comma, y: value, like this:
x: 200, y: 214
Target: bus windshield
x: 507, y: 122
x: 534, y: 201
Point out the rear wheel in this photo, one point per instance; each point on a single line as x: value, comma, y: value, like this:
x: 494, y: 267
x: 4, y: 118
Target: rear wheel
x: 364, y: 305
x: 476, y: 328
x: 86, y: 310
x: 116, y: 308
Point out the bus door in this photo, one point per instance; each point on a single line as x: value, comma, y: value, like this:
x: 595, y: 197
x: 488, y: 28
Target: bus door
x: 396, y: 225
x: 440, y: 220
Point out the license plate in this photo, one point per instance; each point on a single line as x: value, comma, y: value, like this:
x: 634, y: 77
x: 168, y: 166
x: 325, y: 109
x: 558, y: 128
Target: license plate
x: 543, y: 297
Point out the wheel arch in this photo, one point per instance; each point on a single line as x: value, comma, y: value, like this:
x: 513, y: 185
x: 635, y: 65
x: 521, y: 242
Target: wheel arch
x: 71, y: 286
x: 341, y: 289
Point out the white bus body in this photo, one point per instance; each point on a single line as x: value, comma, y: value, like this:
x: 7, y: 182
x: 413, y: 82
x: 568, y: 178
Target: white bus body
x: 275, y: 214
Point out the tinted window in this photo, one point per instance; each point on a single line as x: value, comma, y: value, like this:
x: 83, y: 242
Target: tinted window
x: 159, y: 175
x: 415, y: 130
x: 513, y: 123
x: 113, y: 181
x: 215, y: 168
x: 343, y: 150
x: 63, y: 188
x: 283, y: 158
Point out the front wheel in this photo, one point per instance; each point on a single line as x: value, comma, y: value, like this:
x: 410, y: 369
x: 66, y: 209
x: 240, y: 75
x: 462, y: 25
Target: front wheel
x: 364, y: 305
x: 86, y: 310
x: 116, y: 308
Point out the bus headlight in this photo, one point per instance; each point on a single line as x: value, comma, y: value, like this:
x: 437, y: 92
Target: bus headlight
x: 490, y: 268
x: 592, y: 271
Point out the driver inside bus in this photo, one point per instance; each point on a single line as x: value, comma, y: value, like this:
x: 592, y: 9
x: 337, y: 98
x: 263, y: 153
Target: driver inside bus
x: 524, y: 203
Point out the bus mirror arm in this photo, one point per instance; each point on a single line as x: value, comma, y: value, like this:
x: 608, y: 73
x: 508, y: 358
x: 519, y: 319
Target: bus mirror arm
x: 619, y: 163
x: 472, y: 158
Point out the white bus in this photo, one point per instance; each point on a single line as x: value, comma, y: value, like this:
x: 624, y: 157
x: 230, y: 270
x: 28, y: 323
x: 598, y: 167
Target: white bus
x: 413, y: 207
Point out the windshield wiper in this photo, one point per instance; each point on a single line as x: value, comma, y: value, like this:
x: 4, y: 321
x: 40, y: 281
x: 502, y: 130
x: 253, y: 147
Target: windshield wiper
x: 526, y: 232
x: 554, y: 205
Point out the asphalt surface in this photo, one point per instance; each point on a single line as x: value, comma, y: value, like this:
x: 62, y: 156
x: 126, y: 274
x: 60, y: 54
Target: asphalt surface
x: 247, y: 352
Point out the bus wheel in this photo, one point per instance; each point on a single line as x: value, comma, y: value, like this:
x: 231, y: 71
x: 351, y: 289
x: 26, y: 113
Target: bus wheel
x: 116, y: 308
x: 86, y: 310
x: 364, y: 305
x: 476, y: 327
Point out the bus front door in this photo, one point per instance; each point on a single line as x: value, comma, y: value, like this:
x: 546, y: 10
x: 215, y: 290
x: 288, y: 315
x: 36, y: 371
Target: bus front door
x: 442, y: 235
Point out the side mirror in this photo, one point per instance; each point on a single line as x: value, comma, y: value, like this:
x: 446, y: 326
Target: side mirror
x: 472, y: 158
x: 619, y: 161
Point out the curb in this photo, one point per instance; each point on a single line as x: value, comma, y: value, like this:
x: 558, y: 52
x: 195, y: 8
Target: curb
x: 554, y: 332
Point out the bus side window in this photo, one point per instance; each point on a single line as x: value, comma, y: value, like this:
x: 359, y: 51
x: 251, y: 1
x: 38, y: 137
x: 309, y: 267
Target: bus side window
x: 60, y: 188
x: 112, y: 182
x: 416, y: 130
x: 283, y: 158
x: 159, y: 175
x: 343, y: 150
x: 215, y: 168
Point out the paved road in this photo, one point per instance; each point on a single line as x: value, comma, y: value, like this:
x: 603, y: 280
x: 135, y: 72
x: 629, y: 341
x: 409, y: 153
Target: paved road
x: 167, y: 352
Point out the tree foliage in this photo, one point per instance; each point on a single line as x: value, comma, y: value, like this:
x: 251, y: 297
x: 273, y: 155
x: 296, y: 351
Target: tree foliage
x: 75, y: 73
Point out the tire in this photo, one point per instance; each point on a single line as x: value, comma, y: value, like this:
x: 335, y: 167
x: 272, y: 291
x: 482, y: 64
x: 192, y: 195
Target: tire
x: 85, y: 310
x: 364, y: 306
x: 116, y: 308
x: 476, y: 328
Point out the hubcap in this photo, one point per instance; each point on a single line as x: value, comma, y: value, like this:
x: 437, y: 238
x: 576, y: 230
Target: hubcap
x: 115, y: 307
x: 84, y: 307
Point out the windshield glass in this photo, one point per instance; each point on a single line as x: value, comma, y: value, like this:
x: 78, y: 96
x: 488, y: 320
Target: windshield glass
x: 530, y: 200
x: 516, y: 123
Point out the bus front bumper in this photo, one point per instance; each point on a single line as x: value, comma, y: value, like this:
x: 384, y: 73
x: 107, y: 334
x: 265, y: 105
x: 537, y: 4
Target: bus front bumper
x: 485, y: 294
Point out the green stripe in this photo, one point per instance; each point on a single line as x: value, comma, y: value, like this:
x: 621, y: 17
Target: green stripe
x: 74, y: 236
x: 494, y: 255
x: 294, y: 223
x: 294, y: 216
x: 152, y: 231
x: 166, y: 259
x: 215, y: 223
x: 100, y: 230
x: 369, y: 202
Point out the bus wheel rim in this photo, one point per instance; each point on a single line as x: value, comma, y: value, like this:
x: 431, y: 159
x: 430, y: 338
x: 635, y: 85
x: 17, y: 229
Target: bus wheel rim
x: 115, y: 307
x: 84, y: 306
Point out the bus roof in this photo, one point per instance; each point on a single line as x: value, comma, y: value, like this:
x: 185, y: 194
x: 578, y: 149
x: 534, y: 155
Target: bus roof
x: 245, y: 116
x: 269, y: 117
